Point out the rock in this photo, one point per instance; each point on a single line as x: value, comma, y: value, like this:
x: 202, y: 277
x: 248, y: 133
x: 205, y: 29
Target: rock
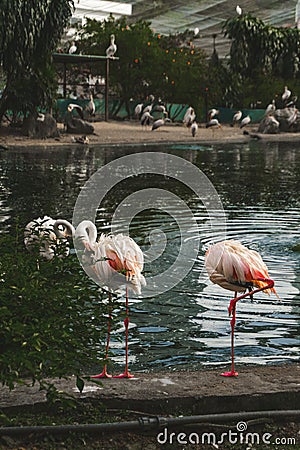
x: 288, y: 119
x: 78, y: 126
x: 41, y: 127
x: 269, y: 125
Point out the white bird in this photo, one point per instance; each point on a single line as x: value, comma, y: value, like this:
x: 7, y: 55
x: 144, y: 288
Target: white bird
x: 159, y: 123
x: 286, y: 94
x: 271, y: 108
x: 213, y: 123
x: 147, y: 109
x: 91, y: 107
x: 138, y: 110
x: 48, y: 236
x: 146, y: 119
x: 40, y: 117
x: 292, y: 117
x: 77, y: 108
x: 236, y: 118
x: 114, y: 261
x: 189, y: 116
x: 212, y: 113
x: 246, y: 120
x: 111, y: 50
x: 194, y: 128
x: 160, y: 108
x: 239, y: 10
x: 73, y: 48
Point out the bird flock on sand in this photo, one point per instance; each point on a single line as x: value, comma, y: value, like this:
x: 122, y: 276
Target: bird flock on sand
x: 147, y: 114
x: 116, y: 261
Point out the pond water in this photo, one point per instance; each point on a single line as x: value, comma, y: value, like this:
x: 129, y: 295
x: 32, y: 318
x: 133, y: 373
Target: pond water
x: 188, y: 325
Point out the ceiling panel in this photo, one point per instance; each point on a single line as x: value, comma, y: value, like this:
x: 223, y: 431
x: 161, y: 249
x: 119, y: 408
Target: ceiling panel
x: 172, y: 16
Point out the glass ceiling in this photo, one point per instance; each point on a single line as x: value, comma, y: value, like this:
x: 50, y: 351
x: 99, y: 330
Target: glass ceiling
x: 172, y: 16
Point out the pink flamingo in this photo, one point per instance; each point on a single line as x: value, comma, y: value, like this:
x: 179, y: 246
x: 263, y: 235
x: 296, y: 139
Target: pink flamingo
x: 115, y: 260
x: 233, y: 266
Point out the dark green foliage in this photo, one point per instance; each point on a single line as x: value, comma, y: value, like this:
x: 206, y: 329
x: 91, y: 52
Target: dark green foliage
x: 168, y: 67
x: 51, y: 317
x: 29, y: 33
x: 264, y: 57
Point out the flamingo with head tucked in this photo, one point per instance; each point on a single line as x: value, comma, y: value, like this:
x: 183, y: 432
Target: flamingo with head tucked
x: 114, y: 261
x: 48, y: 235
x: 233, y: 266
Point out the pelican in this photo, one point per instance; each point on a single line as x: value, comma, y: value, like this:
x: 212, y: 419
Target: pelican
x: 286, y: 94
x: 77, y: 108
x: 236, y: 118
x: 246, y: 120
x: 271, y: 108
x: 73, y: 48
x: 111, y: 50
x: 48, y: 235
x: 114, y: 261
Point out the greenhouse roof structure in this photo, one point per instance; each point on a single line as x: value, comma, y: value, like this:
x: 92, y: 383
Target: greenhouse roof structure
x: 207, y: 16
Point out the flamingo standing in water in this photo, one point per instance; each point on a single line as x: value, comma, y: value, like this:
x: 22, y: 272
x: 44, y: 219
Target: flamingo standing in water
x: 233, y: 266
x: 115, y: 260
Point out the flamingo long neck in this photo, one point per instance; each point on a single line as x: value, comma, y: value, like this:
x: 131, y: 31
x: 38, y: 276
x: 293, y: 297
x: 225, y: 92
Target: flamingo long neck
x: 86, y: 232
x: 68, y: 229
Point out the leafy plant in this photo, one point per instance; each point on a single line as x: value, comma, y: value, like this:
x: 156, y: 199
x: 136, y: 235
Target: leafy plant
x: 52, y: 317
x: 260, y: 48
x: 169, y: 67
x: 29, y: 33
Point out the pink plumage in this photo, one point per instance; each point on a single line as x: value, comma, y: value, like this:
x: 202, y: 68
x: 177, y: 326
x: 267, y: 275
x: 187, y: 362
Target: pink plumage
x: 233, y: 266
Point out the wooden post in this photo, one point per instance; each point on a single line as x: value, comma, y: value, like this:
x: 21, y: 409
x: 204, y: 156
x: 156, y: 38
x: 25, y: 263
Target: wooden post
x: 106, y: 89
x: 65, y: 81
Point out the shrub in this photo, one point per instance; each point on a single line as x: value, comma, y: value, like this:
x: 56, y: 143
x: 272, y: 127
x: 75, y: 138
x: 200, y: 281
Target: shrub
x: 52, y: 317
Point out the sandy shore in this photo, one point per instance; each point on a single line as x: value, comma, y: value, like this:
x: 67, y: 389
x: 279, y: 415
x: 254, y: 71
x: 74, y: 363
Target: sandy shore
x: 114, y: 132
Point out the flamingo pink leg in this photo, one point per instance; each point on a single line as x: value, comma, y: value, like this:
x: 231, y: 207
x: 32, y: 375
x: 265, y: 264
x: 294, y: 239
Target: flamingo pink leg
x: 232, y: 310
x: 104, y: 373
x: 232, y: 373
x: 126, y: 373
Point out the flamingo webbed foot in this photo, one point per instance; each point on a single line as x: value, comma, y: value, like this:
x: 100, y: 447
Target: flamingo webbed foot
x: 232, y: 373
x: 126, y: 374
x: 103, y: 374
